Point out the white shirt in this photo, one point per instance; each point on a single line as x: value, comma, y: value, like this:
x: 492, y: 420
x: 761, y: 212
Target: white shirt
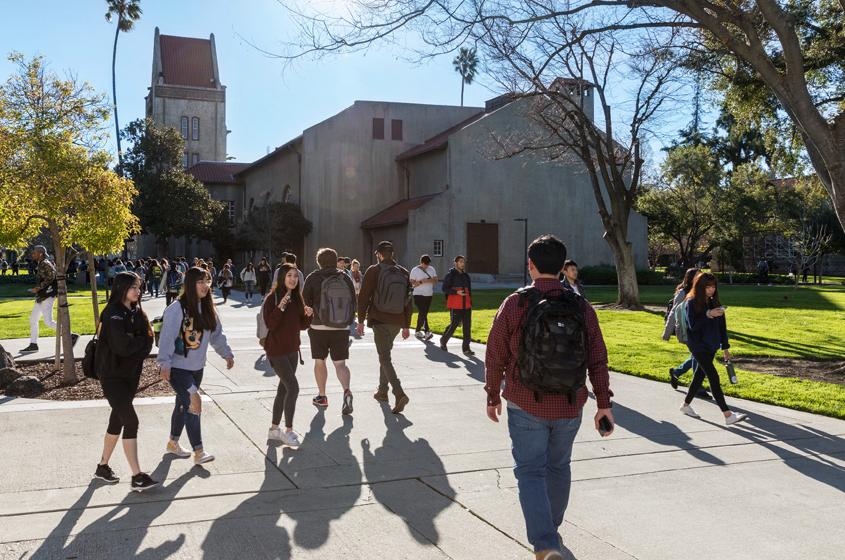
x: 419, y: 274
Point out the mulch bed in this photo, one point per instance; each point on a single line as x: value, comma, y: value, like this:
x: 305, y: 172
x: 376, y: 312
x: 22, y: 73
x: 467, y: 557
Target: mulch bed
x: 829, y: 371
x: 86, y: 389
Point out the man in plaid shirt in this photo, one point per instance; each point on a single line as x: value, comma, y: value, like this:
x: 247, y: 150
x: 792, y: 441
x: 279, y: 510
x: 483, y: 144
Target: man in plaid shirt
x: 542, y: 432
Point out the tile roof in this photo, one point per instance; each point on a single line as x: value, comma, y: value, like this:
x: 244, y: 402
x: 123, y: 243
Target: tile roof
x: 210, y: 172
x: 396, y: 214
x: 438, y: 142
x: 186, y: 61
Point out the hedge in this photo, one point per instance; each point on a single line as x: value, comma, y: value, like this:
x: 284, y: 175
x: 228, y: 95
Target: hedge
x: 598, y: 275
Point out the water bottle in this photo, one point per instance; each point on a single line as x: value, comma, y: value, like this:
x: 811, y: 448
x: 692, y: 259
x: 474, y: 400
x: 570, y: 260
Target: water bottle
x: 731, y: 372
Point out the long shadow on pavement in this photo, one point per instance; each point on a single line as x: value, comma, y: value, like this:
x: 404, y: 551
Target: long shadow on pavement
x: 474, y: 366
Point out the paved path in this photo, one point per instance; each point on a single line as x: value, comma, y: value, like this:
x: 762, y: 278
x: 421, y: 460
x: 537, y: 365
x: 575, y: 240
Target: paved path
x: 435, y: 482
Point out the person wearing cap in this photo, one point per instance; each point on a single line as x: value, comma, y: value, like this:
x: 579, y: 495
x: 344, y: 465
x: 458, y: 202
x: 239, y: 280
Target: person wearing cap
x: 45, y: 290
x: 385, y: 325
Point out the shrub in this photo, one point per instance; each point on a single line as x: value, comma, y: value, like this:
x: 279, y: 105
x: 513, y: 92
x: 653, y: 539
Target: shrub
x: 598, y: 275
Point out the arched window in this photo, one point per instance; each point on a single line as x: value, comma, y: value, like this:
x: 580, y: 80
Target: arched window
x: 183, y: 125
x: 286, y: 194
x: 195, y: 128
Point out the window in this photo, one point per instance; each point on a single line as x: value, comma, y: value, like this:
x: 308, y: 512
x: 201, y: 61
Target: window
x: 438, y: 248
x: 195, y: 158
x: 378, y: 129
x: 183, y: 123
x: 195, y: 128
x: 231, y: 208
x: 396, y: 129
x: 185, y: 159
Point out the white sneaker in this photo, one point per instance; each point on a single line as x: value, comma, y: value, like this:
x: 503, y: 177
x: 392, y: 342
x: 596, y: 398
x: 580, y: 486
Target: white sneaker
x: 687, y: 409
x: 275, y: 434
x: 174, y: 448
x: 734, y: 418
x: 291, y: 439
x: 419, y: 335
x: 203, y: 458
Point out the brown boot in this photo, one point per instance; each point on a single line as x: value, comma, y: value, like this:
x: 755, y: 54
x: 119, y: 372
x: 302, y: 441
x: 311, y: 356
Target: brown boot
x: 381, y: 397
x: 401, y: 403
x: 548, y: 555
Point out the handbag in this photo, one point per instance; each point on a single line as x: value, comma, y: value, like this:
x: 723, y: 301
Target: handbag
x: 89, y: 360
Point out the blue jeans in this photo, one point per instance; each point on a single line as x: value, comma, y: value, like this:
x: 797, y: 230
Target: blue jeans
x: 688, y: 364
x: 181, y: 380
x: 542, y: 450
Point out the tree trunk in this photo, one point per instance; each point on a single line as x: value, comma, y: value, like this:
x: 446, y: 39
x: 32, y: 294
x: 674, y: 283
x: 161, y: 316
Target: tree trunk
x: 628, y: 296
x: 114, y: 98
x: 462, y: 91
x: 63, y: 316
x: 92, y: 275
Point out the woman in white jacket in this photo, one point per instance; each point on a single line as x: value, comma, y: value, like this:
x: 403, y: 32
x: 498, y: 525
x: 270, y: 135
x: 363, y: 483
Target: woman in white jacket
x: 248, y: 278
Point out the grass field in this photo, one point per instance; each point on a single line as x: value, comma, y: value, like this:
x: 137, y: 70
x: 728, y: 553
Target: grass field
x: 785, y: 322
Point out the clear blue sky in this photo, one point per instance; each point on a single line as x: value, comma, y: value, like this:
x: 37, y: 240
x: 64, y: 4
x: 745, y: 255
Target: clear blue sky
x: 267, y: 102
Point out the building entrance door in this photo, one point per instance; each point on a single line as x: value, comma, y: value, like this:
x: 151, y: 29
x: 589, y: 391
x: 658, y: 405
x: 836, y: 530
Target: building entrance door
x: 483, y: 248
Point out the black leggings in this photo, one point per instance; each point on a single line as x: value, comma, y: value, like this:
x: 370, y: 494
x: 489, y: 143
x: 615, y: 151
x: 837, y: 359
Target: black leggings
x: 288, y: 391
x: 120, y: 392
x: 423, y: 305
x: 706, y: 367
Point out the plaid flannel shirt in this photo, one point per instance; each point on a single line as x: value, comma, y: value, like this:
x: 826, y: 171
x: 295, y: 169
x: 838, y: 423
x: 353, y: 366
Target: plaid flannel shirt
x: 503, y: 347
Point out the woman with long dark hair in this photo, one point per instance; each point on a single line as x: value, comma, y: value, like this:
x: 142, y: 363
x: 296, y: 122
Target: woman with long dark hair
x: 263, y: 273
x: 286, y: 315
x: 190, y: 324
x: 707, y: 333
x: 227, y: 280
x: 248, y: 278
x: 681, y: 291
x: 125, y: 340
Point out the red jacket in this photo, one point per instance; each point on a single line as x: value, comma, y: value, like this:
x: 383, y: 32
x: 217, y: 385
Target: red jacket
x: 283, y: 327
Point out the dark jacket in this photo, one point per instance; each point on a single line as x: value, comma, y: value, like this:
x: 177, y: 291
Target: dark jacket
x: 565, y: 283
x: 311, y: 291
x: 367, y: 310
x: 125, y: 340
x: 452, y: 282
x: 283, y: 327
x: 705, y: 335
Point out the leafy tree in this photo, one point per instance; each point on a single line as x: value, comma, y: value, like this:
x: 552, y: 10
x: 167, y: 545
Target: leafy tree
x: 51, y: 178
x: 221, y: 233
x: 275, y: 228
x: 465, y: 64
x: 127, y: 13
x: 170, y: 202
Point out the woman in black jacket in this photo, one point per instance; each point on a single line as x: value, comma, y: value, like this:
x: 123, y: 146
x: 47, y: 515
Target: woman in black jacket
x: 125, y: 339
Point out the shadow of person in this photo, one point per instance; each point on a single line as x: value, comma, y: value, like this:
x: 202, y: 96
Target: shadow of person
x: 417, y: 506
x: 263, y: 364
x: 132, y: 518
x: 474, y: 366
x: 253, y: 525
x: 343, y: 475
x: 661, y: 432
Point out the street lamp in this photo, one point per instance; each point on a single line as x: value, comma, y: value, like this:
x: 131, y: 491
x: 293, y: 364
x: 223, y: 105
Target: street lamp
x: 525, y: 245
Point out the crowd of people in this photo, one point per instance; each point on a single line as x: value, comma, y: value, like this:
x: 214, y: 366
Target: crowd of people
x: 544, y: 343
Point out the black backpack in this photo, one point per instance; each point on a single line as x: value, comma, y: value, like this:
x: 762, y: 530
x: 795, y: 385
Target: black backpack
x: 392, y: 290
x: 552, y: 355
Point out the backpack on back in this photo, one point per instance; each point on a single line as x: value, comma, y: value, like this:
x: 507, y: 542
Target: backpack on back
x: 552, y: 355
x: 392, y: 290
x: 337, y: 302
x: 261, y: 329
x: 681, y: 322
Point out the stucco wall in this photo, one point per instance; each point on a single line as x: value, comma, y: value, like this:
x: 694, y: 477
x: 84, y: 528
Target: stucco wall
x: 427, y: 173
x: 272, y: 177
x: 211, y: 145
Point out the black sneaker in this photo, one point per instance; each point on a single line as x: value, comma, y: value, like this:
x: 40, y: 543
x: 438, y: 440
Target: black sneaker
x: 142, y: 481
x: 347, y: 402
x: 443, y: 346
x: 321, y: 401
x: 31, y: 348
x: 73, y: 338
x: 104, y: 472
x: 703, y: 394
x: 469, y: 353
x: 673, y: 378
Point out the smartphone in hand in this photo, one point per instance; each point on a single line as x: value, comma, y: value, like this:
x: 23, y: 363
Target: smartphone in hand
x: 605, y: 427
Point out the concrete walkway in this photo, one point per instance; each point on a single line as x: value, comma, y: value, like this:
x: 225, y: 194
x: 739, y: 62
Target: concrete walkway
x: 435, y: 482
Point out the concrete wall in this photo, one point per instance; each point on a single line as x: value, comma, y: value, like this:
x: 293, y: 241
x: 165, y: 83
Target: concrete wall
x: 426, y: 224
x: 268, y: 181
x: 427, y: 174
x: 348, y: 176
x: 555, y: 197
x: 211, y: 112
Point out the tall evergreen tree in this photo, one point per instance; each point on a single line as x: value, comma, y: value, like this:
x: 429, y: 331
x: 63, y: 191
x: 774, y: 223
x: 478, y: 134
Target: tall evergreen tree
x: 127, y: 13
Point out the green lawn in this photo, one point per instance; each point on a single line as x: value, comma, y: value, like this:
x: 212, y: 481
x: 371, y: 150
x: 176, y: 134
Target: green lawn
x: 762, y: 321
x: 14, y: 317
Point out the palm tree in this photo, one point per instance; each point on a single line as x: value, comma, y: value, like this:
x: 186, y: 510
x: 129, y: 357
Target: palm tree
x: 465, y: 64
x: 127, y: 13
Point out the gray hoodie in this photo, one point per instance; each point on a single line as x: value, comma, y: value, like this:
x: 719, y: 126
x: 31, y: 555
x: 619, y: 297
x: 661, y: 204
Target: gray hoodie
x: 195, y: 359
x: 669, y: 328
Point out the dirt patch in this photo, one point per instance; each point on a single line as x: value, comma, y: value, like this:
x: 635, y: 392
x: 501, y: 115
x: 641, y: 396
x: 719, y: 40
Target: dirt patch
x: 830, y: 372
x: 151, y: 384
x: 656, y: 309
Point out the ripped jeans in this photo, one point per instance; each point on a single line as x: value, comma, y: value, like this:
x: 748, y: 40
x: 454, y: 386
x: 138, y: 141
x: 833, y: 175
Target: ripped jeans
x: 185, y: 382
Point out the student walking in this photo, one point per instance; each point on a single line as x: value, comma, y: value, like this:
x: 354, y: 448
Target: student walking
x: 286, y: 315
x: 125, y: 340
x: 423, y: 279
x: 681, y: 292
x: 263, y: 271
x: 457, y: 286
x: 174, y: 282
x: 45, y: 290
x: 544, y: 372
x: 570, y: 278
x: 385, y: 305
x: 227, y: 280
x: 707, y: 333
x: 329, y: 292
x: 248, y: 278
x: 154, y: 277
x: 190, y: 324
x: 288, y: 258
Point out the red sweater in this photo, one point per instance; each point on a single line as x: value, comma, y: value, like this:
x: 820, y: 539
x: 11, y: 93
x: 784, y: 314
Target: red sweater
x: 282, y: 327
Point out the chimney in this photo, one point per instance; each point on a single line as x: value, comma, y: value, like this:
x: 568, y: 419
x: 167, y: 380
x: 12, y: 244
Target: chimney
x: 498, y: 102
x: 580, y: 91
